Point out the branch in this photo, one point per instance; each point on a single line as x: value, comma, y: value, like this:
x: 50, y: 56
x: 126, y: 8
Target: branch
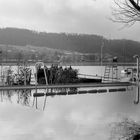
x: 125, y: 129
x: 126, y: 11
x: 136, y: 5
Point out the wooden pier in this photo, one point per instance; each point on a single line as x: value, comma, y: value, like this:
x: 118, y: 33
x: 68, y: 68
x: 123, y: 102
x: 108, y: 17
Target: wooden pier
x: 94, y: 85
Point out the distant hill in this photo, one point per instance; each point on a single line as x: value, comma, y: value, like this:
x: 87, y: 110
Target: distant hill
x: 82, y: 43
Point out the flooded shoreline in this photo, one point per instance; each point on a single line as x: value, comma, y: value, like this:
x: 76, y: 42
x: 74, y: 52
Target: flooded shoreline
x: 77, y: 116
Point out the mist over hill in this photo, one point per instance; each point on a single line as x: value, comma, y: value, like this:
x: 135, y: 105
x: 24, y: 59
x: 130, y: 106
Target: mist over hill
x: 80, y: 43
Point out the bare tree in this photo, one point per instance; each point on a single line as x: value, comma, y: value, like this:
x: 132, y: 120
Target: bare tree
x: 126, y: 129
x: 126, y: 11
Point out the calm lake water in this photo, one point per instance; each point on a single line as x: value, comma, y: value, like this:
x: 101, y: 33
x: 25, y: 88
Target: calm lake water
x: 76, y: 117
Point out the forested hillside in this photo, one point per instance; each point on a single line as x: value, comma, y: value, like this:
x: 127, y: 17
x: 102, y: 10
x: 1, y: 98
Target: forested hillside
x: 82, y: 43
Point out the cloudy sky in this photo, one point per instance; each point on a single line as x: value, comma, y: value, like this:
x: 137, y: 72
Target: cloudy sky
x: 76, y: 16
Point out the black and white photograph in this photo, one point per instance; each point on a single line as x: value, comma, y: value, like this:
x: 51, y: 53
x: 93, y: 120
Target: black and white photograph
x: 69, y: 70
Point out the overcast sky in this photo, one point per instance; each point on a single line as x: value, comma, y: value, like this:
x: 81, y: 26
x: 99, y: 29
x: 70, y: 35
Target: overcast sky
x: 76, y: 16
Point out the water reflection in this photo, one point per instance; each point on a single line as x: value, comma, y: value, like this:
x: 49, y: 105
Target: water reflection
x: 80, y: 117
x: 6, y: 95
x: 24, y: 97
x: 52, y: 93
x: 33, y: 98
x: 136, y: 100
x: 21, y: 96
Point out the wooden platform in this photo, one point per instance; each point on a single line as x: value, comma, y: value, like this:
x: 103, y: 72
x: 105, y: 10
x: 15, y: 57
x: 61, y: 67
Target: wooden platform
x: 32, y: 87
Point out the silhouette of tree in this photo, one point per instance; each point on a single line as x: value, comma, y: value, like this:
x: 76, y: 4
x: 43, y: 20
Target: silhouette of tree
x: 126, y: 11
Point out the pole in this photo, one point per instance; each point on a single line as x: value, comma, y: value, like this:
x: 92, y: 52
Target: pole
x: 137, y: 59
x: 102, y: 53
x: 137, y: 80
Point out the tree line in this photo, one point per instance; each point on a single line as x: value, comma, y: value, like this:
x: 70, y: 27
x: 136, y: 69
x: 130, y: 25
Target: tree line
x: 81, y: 43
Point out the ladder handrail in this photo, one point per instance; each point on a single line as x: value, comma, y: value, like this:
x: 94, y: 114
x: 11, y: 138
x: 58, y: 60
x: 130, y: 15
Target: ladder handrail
x: 41, y: 63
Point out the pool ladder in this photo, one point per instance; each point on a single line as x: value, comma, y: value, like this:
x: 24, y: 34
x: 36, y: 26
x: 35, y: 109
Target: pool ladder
x: 35, y: 98
x: 111, y: 73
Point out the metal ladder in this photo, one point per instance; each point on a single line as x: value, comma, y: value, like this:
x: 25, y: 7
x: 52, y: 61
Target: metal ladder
x: 110, y: 73
x: 107, y: 73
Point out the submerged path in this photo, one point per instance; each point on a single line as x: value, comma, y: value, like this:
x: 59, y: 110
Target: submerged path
x: 19, y: 87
